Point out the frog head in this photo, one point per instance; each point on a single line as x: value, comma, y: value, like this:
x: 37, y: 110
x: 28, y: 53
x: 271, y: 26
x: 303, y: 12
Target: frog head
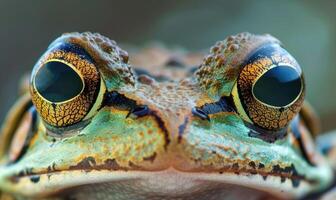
x: 93, y: 126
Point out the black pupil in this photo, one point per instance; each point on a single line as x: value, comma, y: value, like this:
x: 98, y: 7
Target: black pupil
x: 278, y: 87
x: 58, y: 82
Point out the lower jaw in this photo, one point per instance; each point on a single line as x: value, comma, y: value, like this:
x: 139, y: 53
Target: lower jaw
x: 167, y: 184
x: 136, y: 191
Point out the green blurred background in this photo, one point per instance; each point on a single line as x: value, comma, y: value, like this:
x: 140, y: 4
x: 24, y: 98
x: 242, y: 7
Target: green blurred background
x: 306, y: 28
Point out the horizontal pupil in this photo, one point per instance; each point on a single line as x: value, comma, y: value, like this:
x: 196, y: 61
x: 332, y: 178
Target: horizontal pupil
x: 58, y: 82
x: 278, y: 87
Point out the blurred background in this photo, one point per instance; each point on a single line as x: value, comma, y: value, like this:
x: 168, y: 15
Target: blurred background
x: 306, y: 28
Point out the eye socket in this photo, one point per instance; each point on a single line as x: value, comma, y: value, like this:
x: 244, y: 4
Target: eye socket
x: 269, y: 90
x: 66, y: 86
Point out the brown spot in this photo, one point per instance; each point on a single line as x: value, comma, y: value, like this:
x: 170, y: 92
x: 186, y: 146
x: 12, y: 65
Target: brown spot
x: 35, y: 179
x: 235, y: 167
x: 252, y: 164
x: 283, y: 179
x: 261, y: 166
x: 110, y: 164
x: 86, y: 164
x: 150, y: 158
x: 162, y: 127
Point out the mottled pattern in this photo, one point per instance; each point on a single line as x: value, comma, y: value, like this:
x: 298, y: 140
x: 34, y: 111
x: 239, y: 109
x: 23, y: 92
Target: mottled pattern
x: 146, y: 142
x: 220, y: 68
x: 110, y: 59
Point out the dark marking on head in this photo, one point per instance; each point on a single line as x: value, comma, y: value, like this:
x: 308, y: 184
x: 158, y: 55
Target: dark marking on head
x: 134, y: 166
x: 86, y: 164
x: 150, y: 158
x: 53, y: 105
x: 162, y: 126
x: 235, y: 167
x: 261, y: 166
x: 139, y: 111
x: 264, y: 177
x: 182, y: 128
x: 119, y: 101
x: 294, y: 126
x: 89, y: 164
x: 295, y: 182
x: 294, y: 175
x: 111, y: 164
x: 283, y: 179
x: 35, y: 179
x: 252, y: 164
x: 266, y: 135
x: 220, y: 106
x: 200, y: 113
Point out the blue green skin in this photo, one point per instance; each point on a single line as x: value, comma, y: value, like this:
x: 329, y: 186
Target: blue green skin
x: 205, y: 147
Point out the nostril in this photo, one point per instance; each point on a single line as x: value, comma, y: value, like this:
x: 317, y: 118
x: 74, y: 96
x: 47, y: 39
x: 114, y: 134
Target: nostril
x: 200, y: 113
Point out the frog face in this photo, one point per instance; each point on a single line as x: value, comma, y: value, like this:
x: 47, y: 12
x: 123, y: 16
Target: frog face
x: 101, y: 128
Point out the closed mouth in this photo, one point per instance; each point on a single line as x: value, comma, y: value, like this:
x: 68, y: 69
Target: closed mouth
x: 276, y: 182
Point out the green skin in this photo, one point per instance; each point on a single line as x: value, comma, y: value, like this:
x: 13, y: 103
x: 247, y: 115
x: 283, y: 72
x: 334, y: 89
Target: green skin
x: 166, y: 154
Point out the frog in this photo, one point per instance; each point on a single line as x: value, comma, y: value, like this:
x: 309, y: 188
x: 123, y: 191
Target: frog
x: 96, y: 122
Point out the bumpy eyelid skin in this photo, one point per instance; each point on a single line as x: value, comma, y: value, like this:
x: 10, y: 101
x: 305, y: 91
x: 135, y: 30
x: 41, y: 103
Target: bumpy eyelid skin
x: 233, y: 67
x: 111, y: 61
x: 220, y: 69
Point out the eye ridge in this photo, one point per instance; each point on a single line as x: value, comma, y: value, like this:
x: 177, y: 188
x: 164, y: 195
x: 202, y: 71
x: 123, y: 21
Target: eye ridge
x: 71, y: 69
x: 272, y: 99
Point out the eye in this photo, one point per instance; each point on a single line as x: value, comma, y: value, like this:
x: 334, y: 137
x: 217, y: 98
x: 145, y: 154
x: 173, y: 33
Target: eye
x: 278, y: 87
x: 66, y: 86
x: 269, y: 90
x: 52, y: 79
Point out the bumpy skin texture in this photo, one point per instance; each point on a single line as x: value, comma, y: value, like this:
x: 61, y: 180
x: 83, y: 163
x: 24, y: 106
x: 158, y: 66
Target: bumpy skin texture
x: 169, y: 150
x: 220, y: 69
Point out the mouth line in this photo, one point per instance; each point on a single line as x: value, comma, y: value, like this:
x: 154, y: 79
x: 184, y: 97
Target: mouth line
x: 282, y: 173
x: 75, y: 178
